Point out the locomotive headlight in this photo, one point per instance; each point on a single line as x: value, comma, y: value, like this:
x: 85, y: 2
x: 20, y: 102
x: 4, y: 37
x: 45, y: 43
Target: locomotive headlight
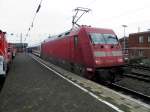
x: 89, y: 69
x: 120, y: 60
x: 98, y: 62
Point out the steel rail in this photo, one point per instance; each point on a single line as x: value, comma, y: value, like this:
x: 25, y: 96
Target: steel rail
x: 140, y: 77
x: 131, y: 92
x: 138, y: 67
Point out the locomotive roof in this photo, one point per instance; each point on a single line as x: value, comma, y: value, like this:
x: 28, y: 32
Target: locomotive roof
x: 75, y: 30
x: 97, y: 30
x: 58, y: 36
x: 92, y: 29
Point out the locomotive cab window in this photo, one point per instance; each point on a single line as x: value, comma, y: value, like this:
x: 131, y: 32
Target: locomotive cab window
x: 76, y: 41
x: 98, y: 38
x: 110, y: 38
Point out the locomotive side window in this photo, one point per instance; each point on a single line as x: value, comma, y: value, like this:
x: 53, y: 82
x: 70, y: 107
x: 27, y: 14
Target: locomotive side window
x: 76, y: 41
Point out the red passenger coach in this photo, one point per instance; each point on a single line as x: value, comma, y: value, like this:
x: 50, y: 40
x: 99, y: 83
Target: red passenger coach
x: 36, y: 50
x: 90, y: 52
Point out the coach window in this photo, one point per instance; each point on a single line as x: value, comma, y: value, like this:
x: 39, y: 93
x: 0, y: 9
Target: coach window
x: 148, y: 39
x: 141, y: 39
x: 75, y: 41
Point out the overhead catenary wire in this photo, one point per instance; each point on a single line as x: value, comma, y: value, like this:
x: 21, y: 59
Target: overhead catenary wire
x: 32, y: 23
x: 116, y: 17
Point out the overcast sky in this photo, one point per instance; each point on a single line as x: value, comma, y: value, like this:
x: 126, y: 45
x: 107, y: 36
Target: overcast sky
x: 55, y: 16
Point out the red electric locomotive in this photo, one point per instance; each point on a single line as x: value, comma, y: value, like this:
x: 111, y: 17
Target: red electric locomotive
x: 4, y: 59
x: 90, y: 52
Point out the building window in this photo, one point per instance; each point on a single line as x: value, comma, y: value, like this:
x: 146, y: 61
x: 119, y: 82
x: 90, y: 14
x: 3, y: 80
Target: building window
x: 148, y: 39
x: 140, y: 52
x: 141, y: 39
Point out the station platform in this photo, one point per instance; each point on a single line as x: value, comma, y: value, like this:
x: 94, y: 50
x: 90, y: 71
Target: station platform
x: 30, y: 87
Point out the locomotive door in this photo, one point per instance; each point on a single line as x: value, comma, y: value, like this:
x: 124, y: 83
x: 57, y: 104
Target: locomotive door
x: 74, y: 48
x: 74, y: 54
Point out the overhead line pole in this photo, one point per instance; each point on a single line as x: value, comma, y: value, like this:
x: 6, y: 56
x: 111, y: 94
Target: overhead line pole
x: 124, y: 45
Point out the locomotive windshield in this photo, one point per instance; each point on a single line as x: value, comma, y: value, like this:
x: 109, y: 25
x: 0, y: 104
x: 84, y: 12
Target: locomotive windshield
x: 98, y: 38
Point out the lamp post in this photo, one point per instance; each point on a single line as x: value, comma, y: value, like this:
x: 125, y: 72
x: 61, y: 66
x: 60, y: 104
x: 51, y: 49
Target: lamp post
x: 124, y: 45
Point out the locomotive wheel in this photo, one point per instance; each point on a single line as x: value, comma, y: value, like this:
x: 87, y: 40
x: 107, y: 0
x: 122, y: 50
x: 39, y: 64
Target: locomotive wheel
x: 72, y: 67
x: 112, y: 78
x: 89, y: 75
x: 82, y: 72
x: 105, y: 76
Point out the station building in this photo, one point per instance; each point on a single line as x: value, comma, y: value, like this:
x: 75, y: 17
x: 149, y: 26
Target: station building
x: 137, y: 44
x: 20, y: 47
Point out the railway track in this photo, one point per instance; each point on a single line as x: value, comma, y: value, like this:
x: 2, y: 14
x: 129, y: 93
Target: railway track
x: 141, y: 73
x: 141, y: 77
x: 131, y: 92
x: 138, y: 67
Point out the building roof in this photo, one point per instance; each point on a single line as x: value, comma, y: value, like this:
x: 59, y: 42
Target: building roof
x: 139, y: 33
